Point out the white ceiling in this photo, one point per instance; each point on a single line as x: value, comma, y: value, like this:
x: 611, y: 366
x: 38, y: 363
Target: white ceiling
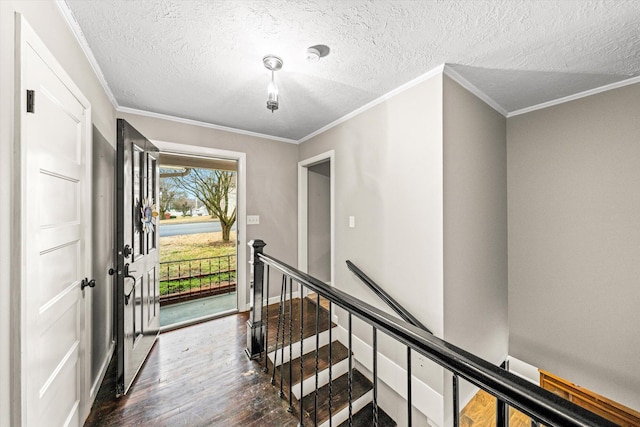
x: 202, y: 60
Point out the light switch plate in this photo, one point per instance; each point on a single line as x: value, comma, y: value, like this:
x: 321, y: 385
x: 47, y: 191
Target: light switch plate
x: 352, y: 221
x: 253, y: 219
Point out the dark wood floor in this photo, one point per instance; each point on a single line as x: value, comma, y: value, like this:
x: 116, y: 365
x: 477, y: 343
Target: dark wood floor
x: 196, y: 376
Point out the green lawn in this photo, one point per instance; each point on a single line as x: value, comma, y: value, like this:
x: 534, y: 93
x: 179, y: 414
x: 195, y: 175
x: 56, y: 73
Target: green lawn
x: 213, y: 262
x: 205, y: 245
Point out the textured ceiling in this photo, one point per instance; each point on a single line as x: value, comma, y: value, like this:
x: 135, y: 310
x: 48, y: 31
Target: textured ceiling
x: 202, y: 60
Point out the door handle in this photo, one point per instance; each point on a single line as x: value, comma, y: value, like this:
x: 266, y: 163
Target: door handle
x: 126, y: 251
x: 86, y: 282
x: 128, y: 276
x: 127, y: 271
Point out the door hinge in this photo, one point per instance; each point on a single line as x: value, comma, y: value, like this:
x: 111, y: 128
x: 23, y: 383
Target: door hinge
x: 31, y: 101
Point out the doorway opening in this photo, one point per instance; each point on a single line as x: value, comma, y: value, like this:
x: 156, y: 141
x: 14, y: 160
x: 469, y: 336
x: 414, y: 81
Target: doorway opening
x: 198, y: 207
x: 316, y: 179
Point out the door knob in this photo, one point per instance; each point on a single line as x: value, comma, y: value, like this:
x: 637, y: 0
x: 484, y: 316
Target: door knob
x: 86, y: 282
x: 127, y: 251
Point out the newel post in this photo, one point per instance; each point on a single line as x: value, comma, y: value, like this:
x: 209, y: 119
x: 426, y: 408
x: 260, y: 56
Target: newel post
x: 255, y: 330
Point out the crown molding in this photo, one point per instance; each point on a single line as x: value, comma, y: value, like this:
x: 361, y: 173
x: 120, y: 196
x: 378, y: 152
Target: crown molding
x: 202, y: 124
x: 426, y: 76
x: 67, y: 14
x: 73, y: 25
x: 455, y: 76
x: 573, y: 97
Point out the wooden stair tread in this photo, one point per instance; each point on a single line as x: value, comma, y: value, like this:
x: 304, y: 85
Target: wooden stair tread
x: 309, y: 322
x: 339, y: 353
x: 339, y: 398
x: 364, y: 418
x: 324, y: 303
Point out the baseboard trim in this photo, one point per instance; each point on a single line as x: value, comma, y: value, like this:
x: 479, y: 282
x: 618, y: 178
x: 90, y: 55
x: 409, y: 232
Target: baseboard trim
x: 276, y: 299
x: 103, y: 372
x: 524, y: 370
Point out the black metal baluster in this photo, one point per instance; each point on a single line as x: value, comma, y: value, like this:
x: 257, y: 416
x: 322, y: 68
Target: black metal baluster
x: 502, y: 413
x: 330, y: 373
x: 315, y: 404
x: 284, y: 325
x: 456, y: 409
x: 266, y: 327
x: 301, y: 353
x: 218, y: 275
x: 409, y: 386
x: 210, y: 276
x: 502, y: 409
x: 290, y: 408
x: 179, y: 280
x: 275, y: 355
x: 375, y: 377
x: 350, y: 377
x: 190, y: 277
x: 200, y: 274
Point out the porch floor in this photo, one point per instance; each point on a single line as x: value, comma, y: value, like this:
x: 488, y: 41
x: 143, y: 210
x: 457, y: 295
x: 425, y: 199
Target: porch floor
x: 194, y: 309
x: 195, y: 376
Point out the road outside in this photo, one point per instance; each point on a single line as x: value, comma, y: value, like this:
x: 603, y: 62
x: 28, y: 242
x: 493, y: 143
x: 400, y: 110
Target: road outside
x: 167, y: 230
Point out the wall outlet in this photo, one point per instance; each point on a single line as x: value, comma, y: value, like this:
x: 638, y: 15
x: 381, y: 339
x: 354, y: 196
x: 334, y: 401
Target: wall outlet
x: 253, y: 219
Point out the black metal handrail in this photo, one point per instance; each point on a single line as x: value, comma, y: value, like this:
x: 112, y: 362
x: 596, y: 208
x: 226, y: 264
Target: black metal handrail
x: 534, y: 401
x: 388, y: 299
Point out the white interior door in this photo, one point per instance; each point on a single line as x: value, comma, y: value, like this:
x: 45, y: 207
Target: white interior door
x: 56, y: 204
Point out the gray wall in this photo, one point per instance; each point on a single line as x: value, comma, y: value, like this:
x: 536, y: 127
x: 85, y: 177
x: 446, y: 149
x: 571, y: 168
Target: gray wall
x: 574, y: 241
x: 271, y: 180
x: 46, y: 20
x: 319, y: 221
x: 103, y: 207
x: 475, y: 227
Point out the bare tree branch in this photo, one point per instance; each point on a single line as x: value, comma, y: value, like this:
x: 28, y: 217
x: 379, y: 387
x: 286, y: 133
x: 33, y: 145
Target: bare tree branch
x: 212, y: 188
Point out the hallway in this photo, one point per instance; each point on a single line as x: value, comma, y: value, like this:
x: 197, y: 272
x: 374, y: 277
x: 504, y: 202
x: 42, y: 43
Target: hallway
x: 195, y: 376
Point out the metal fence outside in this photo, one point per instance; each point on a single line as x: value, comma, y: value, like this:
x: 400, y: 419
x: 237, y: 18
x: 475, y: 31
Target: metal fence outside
x: 196, y: 278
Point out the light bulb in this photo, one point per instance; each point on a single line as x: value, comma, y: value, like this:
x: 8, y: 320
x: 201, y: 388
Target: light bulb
x: 272, y: 91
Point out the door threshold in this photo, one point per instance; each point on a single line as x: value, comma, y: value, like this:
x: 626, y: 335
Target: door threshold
x: 202, y: 319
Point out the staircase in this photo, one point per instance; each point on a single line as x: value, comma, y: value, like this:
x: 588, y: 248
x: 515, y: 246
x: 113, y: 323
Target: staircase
x: 323, y: 392
x: 303, y: 380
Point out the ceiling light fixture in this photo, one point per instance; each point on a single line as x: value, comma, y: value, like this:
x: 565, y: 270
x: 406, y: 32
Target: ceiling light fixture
x: 272, y: 63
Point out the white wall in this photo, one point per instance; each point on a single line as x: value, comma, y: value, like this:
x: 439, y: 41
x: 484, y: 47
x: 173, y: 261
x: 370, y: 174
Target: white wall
x: 574, y: 241
x: 475, y: 228
x: 319, y: 221
x: 45, y: 18
x: 271, y: 181
x: 388, y: 174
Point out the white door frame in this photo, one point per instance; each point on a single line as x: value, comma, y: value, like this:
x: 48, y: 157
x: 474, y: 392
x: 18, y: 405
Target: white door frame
x: 303, y: 204
x: 241, y: 158
x: 28, y: 39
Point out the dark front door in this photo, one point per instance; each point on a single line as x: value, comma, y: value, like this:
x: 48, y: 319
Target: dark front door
x: 138, y: 289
